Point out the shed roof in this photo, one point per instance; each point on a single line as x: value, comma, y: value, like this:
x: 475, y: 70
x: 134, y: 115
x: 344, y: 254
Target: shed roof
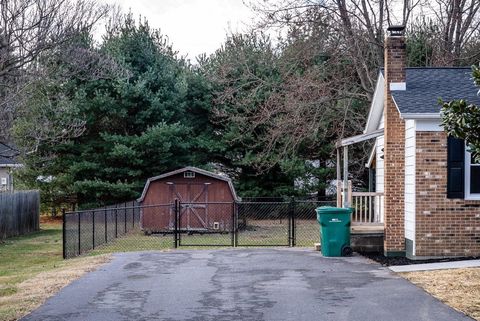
x: 192, y: 169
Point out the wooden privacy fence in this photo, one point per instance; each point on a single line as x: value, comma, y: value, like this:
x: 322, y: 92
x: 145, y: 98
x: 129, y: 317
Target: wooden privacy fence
x: 19, y: 213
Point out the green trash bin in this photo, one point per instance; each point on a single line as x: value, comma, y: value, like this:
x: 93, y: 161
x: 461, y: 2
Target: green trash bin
x: 335, y: 230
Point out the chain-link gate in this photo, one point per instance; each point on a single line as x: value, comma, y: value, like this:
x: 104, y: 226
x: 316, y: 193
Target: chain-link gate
x: 265, y: 224
x: 205, y: 224
x: 244, y: 224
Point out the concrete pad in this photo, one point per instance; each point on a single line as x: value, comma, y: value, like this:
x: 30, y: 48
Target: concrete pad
x: 436, y: 266
x: 270, y: 284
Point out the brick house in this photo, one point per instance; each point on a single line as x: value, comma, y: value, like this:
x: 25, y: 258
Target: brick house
x: 428, y: 183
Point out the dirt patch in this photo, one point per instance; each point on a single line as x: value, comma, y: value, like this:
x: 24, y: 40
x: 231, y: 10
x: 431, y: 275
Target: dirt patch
x: 391, y: 261
x: 32, y: 292
x: 459, y: 288
x: 48, y: 219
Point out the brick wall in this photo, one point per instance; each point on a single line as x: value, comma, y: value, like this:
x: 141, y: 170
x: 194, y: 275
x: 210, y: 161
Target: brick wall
x: 394, y: 150
x: 444, y: 227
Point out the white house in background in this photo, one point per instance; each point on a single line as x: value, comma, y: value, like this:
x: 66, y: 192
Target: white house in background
x: 7, y: 165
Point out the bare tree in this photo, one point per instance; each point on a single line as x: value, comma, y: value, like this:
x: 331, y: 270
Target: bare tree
x: 459, y: 22
x: 28, y: 30
x: 361, y: 23
x: 287, y: 103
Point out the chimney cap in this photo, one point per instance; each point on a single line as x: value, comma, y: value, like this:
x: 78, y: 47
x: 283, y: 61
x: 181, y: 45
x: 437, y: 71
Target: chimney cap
x: 396, y: 30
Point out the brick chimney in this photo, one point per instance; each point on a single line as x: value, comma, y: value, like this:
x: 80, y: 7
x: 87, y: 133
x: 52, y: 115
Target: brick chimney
x: 394, y: 149
x: 395, y: 58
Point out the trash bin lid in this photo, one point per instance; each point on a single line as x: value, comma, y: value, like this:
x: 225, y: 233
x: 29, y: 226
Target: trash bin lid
x: 333, y: 210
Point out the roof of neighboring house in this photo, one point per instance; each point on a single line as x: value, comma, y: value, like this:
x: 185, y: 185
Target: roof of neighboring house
x: 7, y: 161
x: 426, y: 85
x: 7, y: 155
x: 191, y: 169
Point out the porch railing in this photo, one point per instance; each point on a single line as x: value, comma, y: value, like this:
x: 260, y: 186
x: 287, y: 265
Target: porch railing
x: 367, y: 206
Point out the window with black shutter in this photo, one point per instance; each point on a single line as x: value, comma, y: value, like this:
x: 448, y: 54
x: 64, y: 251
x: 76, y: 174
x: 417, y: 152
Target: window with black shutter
x: 455, y: 168
x: 472, y: 177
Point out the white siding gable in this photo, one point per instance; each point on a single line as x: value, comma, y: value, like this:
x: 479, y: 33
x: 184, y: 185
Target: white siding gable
x: 410, y: 134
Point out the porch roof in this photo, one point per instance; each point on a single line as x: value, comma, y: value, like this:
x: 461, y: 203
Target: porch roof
x: 359, y: 138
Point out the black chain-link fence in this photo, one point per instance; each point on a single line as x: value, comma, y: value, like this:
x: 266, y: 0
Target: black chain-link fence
x: 88, y: 230
x: 264, y: 223
x: 134, y: 227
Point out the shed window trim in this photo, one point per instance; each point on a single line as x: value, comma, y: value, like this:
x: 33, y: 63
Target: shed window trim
x: 468, y: 167
x: 188, y: 174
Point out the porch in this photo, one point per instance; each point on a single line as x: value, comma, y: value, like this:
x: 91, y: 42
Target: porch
x: 367, y: 228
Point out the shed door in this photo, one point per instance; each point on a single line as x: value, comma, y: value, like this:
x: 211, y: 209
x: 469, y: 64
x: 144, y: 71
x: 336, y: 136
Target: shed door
x: 193, y: 198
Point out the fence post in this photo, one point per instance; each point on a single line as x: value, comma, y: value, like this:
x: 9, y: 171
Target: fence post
x: 175, y: 227
x: 93, y: 228
x: 106, y: 229
x: 133, y: 215
x: 232, y: 227
x: 79, y: 233
x: 294, y: 229
x: 116, y: 222
x: 291, y: 222
x: 125, y: 209
x: 64, y: 239
x: 235, y: 207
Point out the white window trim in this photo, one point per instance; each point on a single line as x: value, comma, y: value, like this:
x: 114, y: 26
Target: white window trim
x: 189, y: 174
x: 468, y: 195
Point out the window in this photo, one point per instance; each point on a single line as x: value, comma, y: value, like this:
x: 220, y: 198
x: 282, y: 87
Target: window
x: 472, y: 177
x: 189, y: 174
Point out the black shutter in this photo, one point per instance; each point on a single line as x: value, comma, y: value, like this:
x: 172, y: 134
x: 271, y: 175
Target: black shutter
x: 455, y: 168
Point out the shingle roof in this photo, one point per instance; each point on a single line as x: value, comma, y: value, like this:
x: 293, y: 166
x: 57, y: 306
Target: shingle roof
x: 7, y: 155
x: 426, y: 85
x: 7, y: 161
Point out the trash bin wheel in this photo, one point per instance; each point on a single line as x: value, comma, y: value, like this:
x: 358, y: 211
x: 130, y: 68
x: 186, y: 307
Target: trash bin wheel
x: 346, y: 250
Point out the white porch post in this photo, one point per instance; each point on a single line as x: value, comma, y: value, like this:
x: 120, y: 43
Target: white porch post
x: 339, y: 179
x: 346, y: 203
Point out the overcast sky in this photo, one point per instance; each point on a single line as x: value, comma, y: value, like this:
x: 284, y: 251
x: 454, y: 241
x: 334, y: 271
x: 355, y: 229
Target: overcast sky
x: 193, y: 26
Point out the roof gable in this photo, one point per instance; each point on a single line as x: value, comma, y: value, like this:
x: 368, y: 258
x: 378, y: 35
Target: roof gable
x: 376, y: 108
x: 7, y: 156
x: 191, y: 169
x: 425, y: 86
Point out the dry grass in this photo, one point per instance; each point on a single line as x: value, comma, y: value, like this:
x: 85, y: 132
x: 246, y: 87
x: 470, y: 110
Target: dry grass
x: 32, y: 292
x: 32, y: 269
x: 459, y: 288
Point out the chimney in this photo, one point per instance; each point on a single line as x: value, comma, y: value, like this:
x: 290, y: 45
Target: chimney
x: 394, y: 145
x: 395, y: 58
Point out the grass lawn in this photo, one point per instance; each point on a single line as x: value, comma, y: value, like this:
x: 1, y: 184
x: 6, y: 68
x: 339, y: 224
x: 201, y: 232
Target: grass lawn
x: 32, y: 268
x: 259, y: 233
x: 459, y: 288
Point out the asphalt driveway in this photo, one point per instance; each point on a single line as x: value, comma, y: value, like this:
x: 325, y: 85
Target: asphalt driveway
x: 242, y: 284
